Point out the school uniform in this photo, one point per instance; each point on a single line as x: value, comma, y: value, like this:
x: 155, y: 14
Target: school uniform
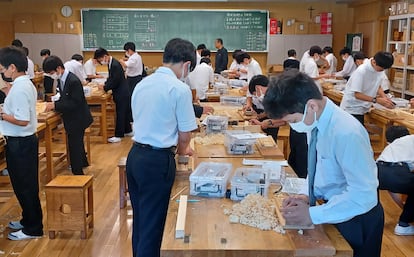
x: 133, y: 71
x: 200, y: 79
x: 76, y: 68
x: 333, y: 62
x: 348, y: 69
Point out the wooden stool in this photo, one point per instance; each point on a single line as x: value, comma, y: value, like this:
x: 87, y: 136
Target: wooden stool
x: 123, y: 185
x: 69, y: 201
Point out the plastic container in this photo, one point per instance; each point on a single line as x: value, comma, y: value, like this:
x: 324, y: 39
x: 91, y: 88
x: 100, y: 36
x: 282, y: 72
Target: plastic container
x: 232, y: 100
x: 221, y: 88
x: 249, y: 181
x: 216, y: 124
x: 210, y: 179
x: 239, y: 142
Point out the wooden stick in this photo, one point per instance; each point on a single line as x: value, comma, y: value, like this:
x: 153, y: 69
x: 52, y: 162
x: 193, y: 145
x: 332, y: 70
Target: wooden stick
x: 182, y: 212
x: 179, y: 192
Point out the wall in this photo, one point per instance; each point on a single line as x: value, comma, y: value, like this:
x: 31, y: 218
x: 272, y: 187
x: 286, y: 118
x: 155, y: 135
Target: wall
x: 45, y: 19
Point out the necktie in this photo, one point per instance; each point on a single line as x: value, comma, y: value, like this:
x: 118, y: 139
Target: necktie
x: 312, y: 166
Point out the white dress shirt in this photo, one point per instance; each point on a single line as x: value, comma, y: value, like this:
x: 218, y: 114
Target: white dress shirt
x: 198, y: 58
x: 89, y: 67
x: 76, y: 68
x: 365, y: 80
x: 30, y: 68
x: 346, y: 173
x: 310, y: 67
x: 236, y: 66
x: 333, y: 62
x: 21, y: 104
x: 400, y: 150
x: 134, y: 65
x: 162, y: 106
x: 348, y: 69
x: 200, y: 78
x: 305, y: 56
x: 253, y: 69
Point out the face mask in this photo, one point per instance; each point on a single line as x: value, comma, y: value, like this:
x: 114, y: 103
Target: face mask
x: 55, y: 76
x: 127, y: 54
x: 183, y: 78
x: 317, y: 59
x: 9, y: 80
x: 104, y: 63
x: 344, y: 58
x: 300, y: 126
x: 261, y: 97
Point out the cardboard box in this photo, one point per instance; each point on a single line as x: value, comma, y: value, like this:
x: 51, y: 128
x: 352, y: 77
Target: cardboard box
x: 399, y: 59
x: 288, y: 26
x: 301, y: 28
x: 398, y: 74
x: 410, y: 8
x: 402, y: 7
x: 275, y: 68
x: 393, y: 9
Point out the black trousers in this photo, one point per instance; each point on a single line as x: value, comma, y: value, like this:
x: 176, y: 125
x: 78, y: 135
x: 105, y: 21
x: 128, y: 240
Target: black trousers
x: 298, y: 156
x: 123, y: 116
x: 150, y: 175
x: 398, y: 179
x: 359, y: 117
x: 48, y: 85
x: 132, y: 82
x: 23, y: 166
x: 364, y: 232
x: 77, y: 154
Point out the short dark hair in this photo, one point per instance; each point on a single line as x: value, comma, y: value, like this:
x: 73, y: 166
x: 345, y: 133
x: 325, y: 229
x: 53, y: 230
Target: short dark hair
x: 179, y: 50
x: 345, y: 50
x: 25, y: 50
x: 44, y: 52
x: 129, y: 46
x: 288, y: 93
x: 17, y: 43
x: 77, y: 57
x: 236, y: 52
x: 395, y: 132
x: 13, y: 55
x: 384, y: 59
x: 100, y: 52
x: 358, y: 55
x: 201, y: 47
x: 315, y: 50
x: 241, y: 56
x: 327, y: 49
x: 291, y: 52
x: 51, y: 63
x: 261, y: 80
x: 220, y: 40
x: 205, y: 52
x: 205, y: 60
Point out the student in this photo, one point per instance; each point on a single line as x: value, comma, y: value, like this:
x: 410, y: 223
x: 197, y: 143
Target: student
x: 395, y: 173
x: 257, y: 88
x: 18, y: 126
x: 75, y: 65
x: 133, y: 66
x: 163, y: 121
x: 309, y: 64
x: 75, y: 111
x: 30, y: 65
x: 238, y: 69
x: 200, y: 48
x: 253, y: 67
x: 201, y: 78
x: 17, y: 43
x: 48, y: 82
x: 221, y: 56
x: 341, y: 168
x: 89, y: 68
x: 349, y: 66
x: 291, y: 62
x: 363, y: 87
x: 205, y: 53
x: 360, y: 58
x: 327, y: 53
x: 118, y: 84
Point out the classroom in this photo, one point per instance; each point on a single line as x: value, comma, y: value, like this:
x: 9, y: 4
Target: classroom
x: 197, y: 128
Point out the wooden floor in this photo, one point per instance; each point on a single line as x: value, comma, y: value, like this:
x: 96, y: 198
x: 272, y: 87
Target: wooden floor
x: 111, y: 236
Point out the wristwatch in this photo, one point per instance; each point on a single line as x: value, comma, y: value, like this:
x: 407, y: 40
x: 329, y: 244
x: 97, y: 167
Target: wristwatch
x: 374, y: 100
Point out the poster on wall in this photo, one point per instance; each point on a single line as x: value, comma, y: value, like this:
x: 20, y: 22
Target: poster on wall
x: 354, y: 41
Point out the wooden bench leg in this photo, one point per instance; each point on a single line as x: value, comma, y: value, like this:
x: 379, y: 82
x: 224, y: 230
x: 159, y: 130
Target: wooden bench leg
x: 52, y: 234
x: 122, y: 183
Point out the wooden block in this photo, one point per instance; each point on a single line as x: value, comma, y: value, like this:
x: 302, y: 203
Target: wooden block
x: 182, y: 212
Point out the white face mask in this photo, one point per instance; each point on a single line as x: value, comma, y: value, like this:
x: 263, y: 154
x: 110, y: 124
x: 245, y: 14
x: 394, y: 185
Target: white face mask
x: 261, y: 97
x: 301, y: 127
x: 317, y: 59
x: 344, y: 58
x: 55, y: 76
x: 127, y: 54
x: 183, y: 78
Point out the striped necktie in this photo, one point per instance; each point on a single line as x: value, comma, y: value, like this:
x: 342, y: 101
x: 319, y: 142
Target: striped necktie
x: 312, y: 166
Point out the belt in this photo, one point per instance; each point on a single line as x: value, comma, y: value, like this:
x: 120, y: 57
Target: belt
x: 392, y: 164
x: 172, y: 149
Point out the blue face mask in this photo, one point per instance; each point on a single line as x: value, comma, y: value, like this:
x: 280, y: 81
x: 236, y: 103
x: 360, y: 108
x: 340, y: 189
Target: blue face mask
x: 301, y: 127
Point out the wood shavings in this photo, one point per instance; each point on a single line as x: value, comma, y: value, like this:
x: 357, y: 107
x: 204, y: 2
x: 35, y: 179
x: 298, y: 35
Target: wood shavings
x: 210, y: 139
x: 255, y: 211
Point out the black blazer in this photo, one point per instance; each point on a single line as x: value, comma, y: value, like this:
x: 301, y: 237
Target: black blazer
x: 73, y: 106
x: 117, y: 82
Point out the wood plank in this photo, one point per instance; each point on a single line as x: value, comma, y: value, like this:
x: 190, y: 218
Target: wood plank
x: 181, y: 216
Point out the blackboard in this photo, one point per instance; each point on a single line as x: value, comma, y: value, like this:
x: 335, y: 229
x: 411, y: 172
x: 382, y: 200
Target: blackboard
x: 150, y: 30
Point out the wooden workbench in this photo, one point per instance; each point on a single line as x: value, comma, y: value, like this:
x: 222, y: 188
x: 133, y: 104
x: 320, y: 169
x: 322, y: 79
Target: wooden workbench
x: 211, y: 233
x: 101, y: 99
